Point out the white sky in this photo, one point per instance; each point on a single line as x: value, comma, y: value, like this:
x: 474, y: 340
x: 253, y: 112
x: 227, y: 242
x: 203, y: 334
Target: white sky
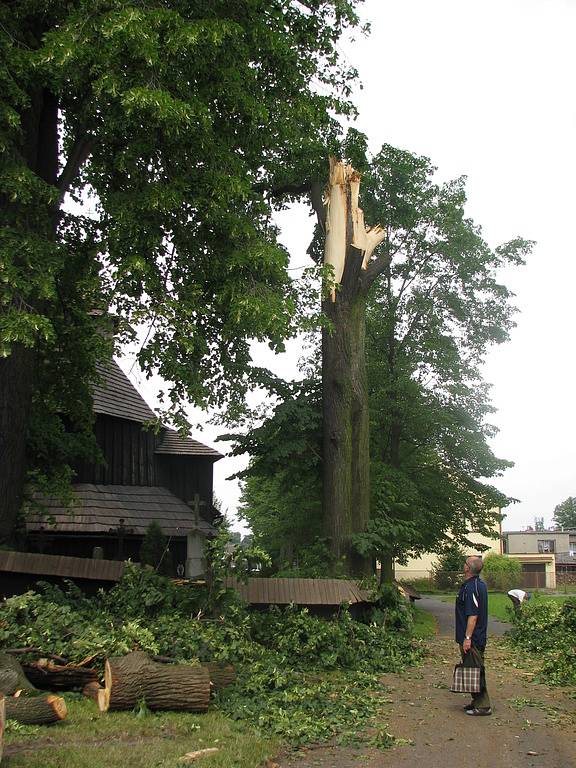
x: 485, y: 88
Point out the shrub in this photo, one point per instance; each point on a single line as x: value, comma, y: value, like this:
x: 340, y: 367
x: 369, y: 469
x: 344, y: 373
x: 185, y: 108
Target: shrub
x: 500, y: 572
x: 154, y: 550
x: 447, y: 572
x: 548, y: 630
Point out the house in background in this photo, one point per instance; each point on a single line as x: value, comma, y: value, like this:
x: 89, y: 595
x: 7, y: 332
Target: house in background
x: 548, y: 558
x: 422, y: 567
x: 145, y: 477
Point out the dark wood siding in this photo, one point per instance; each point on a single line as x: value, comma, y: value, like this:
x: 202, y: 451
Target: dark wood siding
x: 128, y: 453
x: 186, y: 476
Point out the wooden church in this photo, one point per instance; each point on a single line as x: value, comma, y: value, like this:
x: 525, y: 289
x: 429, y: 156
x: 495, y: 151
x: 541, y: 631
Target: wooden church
x: 145, y: 477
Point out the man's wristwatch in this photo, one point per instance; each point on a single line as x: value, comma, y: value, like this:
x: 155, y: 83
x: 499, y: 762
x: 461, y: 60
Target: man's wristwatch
x: 467, y: 637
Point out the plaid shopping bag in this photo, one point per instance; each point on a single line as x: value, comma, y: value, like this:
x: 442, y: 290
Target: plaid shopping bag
x: 466, y: 679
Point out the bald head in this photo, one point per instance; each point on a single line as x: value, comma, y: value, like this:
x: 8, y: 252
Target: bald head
x: 474, y: 564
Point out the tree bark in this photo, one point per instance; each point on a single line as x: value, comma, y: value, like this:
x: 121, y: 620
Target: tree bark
x: 12, y: 677
x: 221, y: 675
x: 39, y: 152
x: 346, y: 453
x: 16, y: 383
x: 38, y: 710
x: 52, y: 677
x: 135, y: 677
x: 92, y: 690
x: 346, y: 450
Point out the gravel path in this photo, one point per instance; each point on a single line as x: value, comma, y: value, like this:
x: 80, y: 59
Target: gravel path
x: 444, y: 615
x: 533, y: 726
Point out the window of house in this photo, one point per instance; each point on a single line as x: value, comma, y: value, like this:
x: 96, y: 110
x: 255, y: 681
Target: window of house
x: 546, y: 545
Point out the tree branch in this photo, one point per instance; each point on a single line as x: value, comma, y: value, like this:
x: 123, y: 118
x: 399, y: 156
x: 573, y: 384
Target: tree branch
x: 81, y: 150
x: 373, y: 270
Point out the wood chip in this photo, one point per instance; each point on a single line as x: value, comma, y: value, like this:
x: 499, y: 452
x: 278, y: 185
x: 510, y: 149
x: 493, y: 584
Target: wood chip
x: 191, y: 756
x: 532, y: 753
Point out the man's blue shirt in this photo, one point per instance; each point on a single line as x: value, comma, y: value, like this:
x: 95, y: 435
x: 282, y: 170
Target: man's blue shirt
x: 472, y: 600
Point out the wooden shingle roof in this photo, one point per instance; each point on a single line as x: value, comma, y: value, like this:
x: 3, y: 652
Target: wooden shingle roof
x: 115, y: 395
x: 299, y: 591
x: 57, y: 565
x: 98, y: 508
x: 172, y: 443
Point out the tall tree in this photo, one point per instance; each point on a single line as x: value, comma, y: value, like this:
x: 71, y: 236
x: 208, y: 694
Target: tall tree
x: 437, y: 309
x: 434, y: 305
x: 171, y: 121
x: 565, y: 513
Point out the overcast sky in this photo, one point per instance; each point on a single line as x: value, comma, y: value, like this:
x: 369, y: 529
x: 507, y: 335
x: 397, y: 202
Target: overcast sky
x: 485, y: 89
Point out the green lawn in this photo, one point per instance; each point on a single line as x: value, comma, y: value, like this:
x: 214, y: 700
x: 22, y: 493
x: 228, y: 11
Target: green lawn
x: 499, y: 604
x: 424, y: 623
x: 124, y: 740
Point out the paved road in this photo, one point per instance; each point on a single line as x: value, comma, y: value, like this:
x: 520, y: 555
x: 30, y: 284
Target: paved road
x: 444, y: 615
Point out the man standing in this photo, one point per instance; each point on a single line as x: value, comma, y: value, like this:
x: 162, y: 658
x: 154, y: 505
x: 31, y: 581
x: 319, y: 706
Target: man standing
x: 471, y: 628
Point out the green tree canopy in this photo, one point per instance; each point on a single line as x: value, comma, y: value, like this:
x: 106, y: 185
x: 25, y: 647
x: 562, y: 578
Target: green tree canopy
x: 430, y: 319
x: 169, y: 126
x: 565, y: 513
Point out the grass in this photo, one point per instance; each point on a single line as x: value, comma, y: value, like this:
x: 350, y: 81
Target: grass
x: 424, y: 624
x: 500, y: 606
x: 124, y: 740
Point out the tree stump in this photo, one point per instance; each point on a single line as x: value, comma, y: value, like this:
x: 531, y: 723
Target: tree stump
x: 36, y: 710
x: 12, y: 678
x: 135, y: 677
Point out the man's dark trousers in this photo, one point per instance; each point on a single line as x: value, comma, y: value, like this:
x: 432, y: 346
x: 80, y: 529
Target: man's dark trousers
x: 480, y: 700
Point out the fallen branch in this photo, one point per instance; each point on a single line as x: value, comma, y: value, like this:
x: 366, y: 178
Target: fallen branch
x: 47, y: 676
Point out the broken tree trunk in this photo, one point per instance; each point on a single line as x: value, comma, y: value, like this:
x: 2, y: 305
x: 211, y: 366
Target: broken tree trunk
x: 349, y: 249
x: 136, y: 677
x: 35, y: 710
x: 48, y: 676
x: 12, y: 678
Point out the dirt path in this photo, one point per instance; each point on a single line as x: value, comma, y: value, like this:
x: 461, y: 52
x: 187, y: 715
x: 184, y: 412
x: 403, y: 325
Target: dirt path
x: 532, y: 726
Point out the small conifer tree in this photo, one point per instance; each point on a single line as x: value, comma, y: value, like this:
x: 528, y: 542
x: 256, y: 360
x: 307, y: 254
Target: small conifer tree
x: 154, y: 550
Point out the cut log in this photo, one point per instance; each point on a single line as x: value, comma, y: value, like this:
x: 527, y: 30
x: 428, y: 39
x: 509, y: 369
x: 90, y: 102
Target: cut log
x: 135, y: 677
x: 12, y: 677
x: 91, y: 690
x: 221, y: 674
x: 36, y: 710
x: 47, y: 676
x: 2, y: 721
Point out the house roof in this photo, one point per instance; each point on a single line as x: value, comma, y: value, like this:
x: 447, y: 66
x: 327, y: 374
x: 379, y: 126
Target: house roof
x: 172, y: 443
x: 56, y: 565
x: 552, y: 532
x: 298, y: 591
x: 98, y: 508
x: 115, y: 395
